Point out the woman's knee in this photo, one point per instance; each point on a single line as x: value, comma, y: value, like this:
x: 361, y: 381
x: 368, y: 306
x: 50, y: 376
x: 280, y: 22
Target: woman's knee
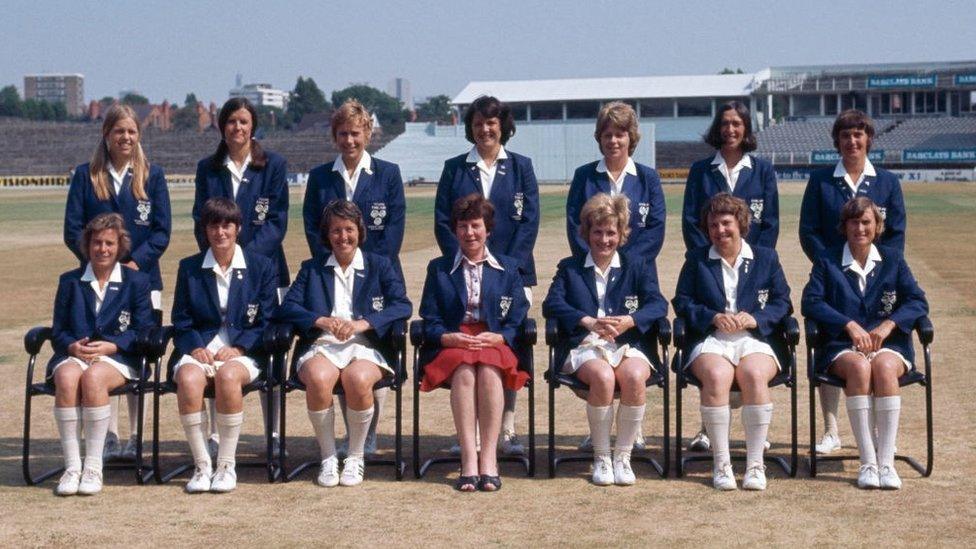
x: 230, y: 377
x: 463, y: 376
x: 632, y: 376
x: 885, y: 370
x: 715, y: 376
x: 318, y: 378
x: 67, y: 378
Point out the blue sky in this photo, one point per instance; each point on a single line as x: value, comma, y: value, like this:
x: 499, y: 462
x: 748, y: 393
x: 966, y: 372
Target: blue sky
x: 166, y: 49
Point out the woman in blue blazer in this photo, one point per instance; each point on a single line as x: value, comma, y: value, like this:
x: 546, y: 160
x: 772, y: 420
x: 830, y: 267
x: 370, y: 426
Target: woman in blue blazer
x: 617, y: 173
x: 732, y: 296
x: 605, y: 302
x: 826, y: 193
x: 866, y: 301
x: 347, y: 303
x: 98, y: 313
x: 254, y: 178
x: 507, y: 180
x: 224, y: 298
x: 472, y: 306
x: 732, y: 170
x: 120, y: 179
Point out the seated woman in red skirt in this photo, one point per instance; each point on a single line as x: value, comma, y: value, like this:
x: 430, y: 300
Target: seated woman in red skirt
x: 472, y: 305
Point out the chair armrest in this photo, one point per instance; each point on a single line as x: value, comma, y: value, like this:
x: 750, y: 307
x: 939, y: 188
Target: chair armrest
x: 791, y: 329
x: 527, y: 333
x: 417, y: 332
x: 663, y: 328
x: 678, y: 331
x: 155, y: 341
x: 34, y: 339
x: 812, y: 330
x: 925, y: 329
x: 552, y: 332
x: 398, y: 333
x: 277, y: 337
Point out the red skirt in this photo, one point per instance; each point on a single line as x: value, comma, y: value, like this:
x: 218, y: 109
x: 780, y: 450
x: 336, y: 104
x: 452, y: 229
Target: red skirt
x: 439, y: 371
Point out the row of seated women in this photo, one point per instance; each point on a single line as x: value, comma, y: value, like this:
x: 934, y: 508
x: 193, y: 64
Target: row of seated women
x: 119, y: 179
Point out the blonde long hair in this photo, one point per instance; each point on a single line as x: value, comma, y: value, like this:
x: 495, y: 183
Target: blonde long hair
x: 100, y: 160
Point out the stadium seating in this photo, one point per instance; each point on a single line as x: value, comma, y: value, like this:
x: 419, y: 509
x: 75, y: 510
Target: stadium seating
x: 421, y: 150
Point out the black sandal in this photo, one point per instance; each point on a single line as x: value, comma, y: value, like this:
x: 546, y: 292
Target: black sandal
x: 490, y: 480
x: 463, y: 481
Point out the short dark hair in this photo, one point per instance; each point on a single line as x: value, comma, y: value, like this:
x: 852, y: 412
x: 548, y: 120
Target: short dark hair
x: 726, y: 204
x: 855, y: 208
x: 473, y: 206
x: 219, y: 210
x: 852, y: 119
x: 341, y: 209
x: 714, y: 135
x: 106, y: 222
x: 232, y: 105
x: 490, y: 107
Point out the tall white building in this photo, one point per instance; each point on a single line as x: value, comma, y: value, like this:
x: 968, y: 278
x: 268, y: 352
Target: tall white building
x: 262, y: 95
x: 400, y: 88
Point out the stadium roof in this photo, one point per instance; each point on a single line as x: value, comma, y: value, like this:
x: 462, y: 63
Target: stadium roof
x: 582, y: 89
x: 866, y: 68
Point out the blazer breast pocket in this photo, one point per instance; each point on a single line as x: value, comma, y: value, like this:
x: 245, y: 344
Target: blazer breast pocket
x: 504, y: 304
x: 518, y: 205
x: 261, y: 207
x: 143, y: 211
x: 251, y: 313
x: 377, y: 216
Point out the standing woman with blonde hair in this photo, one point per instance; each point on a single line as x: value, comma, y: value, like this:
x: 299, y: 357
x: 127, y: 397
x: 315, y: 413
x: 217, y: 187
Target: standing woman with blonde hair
x: 119, y: 179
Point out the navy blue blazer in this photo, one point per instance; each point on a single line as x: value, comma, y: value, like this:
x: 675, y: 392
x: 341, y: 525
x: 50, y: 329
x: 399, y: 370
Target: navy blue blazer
x: 263, y: 200
x: 503, y: 303
x: 647, y: 209
x: 762, y: 292
x: 148, y: 221
x: 250, y: 303
x: 833, y: 298
x: 378, y: 195
x: 632, y: 290
x: 125, y: 313
x: 515, y: 196
x: 826, y: 194
x: 757, y: 186
x: 378, y: 297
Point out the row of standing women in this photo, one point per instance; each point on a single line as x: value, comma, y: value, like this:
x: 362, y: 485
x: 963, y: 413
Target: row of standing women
x: 731, y: 289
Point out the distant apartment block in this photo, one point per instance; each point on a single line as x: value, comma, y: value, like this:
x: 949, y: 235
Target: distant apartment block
x: 400, y: 88
x: 262, y: 95
x: 57, y: 88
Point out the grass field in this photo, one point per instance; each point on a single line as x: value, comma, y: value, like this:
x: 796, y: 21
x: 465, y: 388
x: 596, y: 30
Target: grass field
x: 567, y: 510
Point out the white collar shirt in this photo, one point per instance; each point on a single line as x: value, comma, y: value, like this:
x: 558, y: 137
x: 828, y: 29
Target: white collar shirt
x: 868, y: 171
x: 224, y: 277
x: 602, y: 280
x: 848, y: 262
x: 118, y: 177
x: 486, y: 173
x: 89, y: 277
x: 617, y: 185
x: 237, y: 172
x: 730, y: 274
x: 731, y: 177
x: 344, y: 283
x: 473, y: 276
x: 365, y: 165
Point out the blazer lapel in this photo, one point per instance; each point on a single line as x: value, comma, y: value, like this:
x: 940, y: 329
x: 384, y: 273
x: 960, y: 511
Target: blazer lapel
x: 715, y: 267
x: 501, y: 186
x: 873, y: 277
x: 719, y: 179
x: 210, y: 281
x: 237, y: 281
x: 746, y: 276
x: 491, y: 281
x: 457, y: 279
x: 89, y: 295
x: 110, y: 302
x: 328, y: 282
x: 474, y: 178
x: 359, y: 296
x: 743, y: 182
x: 589, y: 279
x: 365, y: 179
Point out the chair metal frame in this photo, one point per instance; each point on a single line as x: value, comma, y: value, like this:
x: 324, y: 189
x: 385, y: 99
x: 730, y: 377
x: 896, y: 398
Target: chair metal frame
x: 926, y: 333
x: 525, y: 341
x: 659, y: 335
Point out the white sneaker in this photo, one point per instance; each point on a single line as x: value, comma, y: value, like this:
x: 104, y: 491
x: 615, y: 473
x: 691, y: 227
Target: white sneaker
x: 112, y: 449
x: 700, y: 443
x: 224, y: 479
x: 213, y: 443
x: 91, y: 482
x: 723, y: 478
x: 602, y: 471
x: 828, y: 444
x: 623, y: 475
x: 329, y: 472
x: 352, y: 471
x: 888, y: 478
x: 68, y: 485
x: 510, y: 445
x: 640, y: 443
x: 129, y: 452
x: 200, y: 482
x: 586, y: 445
x: 755, y: 478
x: 867, y: 477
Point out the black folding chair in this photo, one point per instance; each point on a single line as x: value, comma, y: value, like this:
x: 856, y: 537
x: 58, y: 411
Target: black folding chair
x: 33, y: 343
x: 394, y: 349
x: 658, y: 339
x: 525, y: 340
x: 784, y: 343
x: 926, y: 333
x: 268, y: 361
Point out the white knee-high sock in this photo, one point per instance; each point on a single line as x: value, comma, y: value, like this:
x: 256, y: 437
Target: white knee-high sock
x: 113, y: 423
x: 358, y: 427
x: 95, y: 421
x: 829, y: 407
x: 600, y: 419
x: 69, y: 429
x: 859, y: 412
x: 629, y: 419
x: 212, y: 415
x: 716, y: 420
x: 133, y: 403
x: 195, y: 436
x: 323, y: 423
x: 379, y: 399
x: 755, y: 419
x: 886, y: 413
x: 229, y: 430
